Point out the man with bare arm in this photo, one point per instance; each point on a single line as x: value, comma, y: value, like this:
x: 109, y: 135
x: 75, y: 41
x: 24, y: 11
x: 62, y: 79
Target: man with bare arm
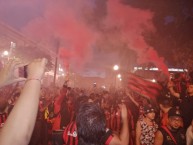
x: 18, y: 131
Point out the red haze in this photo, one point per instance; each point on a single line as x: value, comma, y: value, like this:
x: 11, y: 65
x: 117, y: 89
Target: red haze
x: 62, y: 22
x: 132, y: 22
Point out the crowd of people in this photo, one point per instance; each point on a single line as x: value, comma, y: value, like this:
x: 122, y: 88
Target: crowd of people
x: 37, y: 115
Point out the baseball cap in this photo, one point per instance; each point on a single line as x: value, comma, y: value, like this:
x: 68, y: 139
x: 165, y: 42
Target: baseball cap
x: 175, y: 111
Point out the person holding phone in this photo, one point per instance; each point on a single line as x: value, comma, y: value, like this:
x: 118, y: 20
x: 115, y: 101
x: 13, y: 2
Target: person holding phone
x: 17, y: 130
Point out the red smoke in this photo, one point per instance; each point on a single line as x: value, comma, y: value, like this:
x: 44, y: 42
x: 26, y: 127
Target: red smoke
x: 61, y: 22
x: 132, y: 22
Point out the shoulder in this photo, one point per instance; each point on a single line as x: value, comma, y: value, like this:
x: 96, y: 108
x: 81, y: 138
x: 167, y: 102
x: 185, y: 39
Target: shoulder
x: 159, y: 132
x: 189, y: 132
x: 107, y: 138
x: 70, y: 130
x: 70, y: 133
x: 139, y: 123
x: 115, y: 140
x: 159, y: 138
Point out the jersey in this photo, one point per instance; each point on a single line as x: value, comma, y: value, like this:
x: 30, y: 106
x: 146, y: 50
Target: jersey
x: 178, y: 135
x: 70, y: 135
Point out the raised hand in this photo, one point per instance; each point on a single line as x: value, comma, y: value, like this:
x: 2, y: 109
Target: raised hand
x: 7, y: 73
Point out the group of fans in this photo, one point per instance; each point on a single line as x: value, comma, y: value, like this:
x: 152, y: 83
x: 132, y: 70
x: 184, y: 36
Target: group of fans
x: 72, y: 116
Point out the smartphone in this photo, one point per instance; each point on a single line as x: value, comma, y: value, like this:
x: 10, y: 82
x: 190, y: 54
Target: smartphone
x: 22, y: 71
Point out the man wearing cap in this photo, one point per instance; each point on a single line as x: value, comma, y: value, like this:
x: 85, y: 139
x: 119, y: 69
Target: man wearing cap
x: 186, y: 102
x: 173, y: 133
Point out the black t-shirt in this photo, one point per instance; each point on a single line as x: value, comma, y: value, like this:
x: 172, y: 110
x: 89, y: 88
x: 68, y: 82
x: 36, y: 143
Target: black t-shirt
x: 179, y: 136
x: 186, y: 106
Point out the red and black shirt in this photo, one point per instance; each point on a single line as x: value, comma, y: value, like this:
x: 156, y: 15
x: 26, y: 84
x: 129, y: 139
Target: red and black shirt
x: 70, y: 135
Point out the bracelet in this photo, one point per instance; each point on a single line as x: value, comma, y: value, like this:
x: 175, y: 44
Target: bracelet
x: 33, y: 79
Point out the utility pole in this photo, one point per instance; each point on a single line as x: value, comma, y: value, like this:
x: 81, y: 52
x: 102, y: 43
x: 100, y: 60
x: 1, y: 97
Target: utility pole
x: 57, y: 44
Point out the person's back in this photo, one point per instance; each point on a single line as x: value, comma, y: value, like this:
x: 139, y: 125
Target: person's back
x: 91, y: 125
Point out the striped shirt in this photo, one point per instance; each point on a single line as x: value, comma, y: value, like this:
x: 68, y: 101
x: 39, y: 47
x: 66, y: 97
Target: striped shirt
x: 70, y: 135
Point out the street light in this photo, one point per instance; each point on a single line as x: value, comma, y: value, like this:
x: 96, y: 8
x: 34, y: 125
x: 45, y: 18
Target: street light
x: 5, y: 57
x: 5, y: 53
x: 115, y: 67
x: 154, y: 81
x: 119, y: 76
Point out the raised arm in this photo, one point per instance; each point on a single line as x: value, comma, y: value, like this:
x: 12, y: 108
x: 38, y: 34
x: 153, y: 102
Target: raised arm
x: 123, y: 139
x: 20, y: 123
x: 170, y: 86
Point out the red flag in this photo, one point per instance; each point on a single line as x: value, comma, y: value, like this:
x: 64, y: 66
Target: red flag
x: 143, y: 87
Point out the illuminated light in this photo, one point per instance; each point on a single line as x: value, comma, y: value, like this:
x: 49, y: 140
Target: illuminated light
x: 13, y: 45
x: 116, y: 67
x: 154, y: 68
x: 51, y: 73
x: 5, y: 53
x: 157, y: 69
x: 120, y: 79
x: 154, y: 81
x: 119, y: 75
x: 104, y: 87
x: 176, y: 69
x: 141, y: 68
x: 61, y: 70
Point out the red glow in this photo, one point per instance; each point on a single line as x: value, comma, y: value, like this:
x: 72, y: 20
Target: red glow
x: 132, y: 22
x: 62, y: 23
